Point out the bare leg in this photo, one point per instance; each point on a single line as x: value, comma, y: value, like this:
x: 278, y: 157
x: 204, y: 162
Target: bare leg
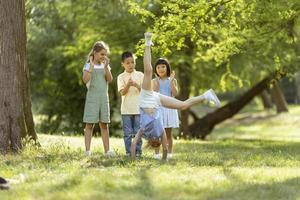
x: 88, y: 131
x: 137, y: 137
x: 164, y: 144
x: 170, y: 139
x: 105, y: 135
x: 173, y: 103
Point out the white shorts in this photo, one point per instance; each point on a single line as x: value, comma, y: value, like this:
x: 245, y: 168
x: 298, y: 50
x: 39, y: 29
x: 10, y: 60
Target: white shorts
x: 149, y: 99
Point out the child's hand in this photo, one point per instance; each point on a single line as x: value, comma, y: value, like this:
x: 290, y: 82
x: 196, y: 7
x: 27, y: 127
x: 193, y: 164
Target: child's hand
x: 130, y: 82
x: 172, y: 76
x: 135, y: 84
x: 91, y: 60
x: 106, y: 61
x: 156, y: 78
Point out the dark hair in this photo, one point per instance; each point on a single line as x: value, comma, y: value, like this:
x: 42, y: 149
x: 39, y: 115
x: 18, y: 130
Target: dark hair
x: 126, y: 54
x: 164, y: 62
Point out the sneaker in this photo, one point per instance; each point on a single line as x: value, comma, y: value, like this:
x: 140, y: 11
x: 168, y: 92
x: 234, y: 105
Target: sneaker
x: 211, y: 96
x: 156, y: 156
x: 128, y: 154
x: 148, y: 39
x: 4, y: 184
x: 88, y: 153
x: 169, y: 156
x: 138, y: 155
x: 110, y: 153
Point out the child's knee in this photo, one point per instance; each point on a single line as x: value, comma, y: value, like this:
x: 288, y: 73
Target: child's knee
x: 89, y: 126
x: 103, y: 126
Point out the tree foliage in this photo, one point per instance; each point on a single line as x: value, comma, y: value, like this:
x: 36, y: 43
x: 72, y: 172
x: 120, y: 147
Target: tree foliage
x: 234, y: 41
x: 60, y: 35
x: 224, y: 44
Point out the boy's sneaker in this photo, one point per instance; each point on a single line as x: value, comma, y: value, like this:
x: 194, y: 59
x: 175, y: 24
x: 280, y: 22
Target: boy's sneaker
x: 210, y: 95
x: 110, y: 153
x: 156, y: 156
x: 128, y: 155
x: 88, y: 153
x: 169, y: 156
x: 138, y: 155
x: 148, y: 39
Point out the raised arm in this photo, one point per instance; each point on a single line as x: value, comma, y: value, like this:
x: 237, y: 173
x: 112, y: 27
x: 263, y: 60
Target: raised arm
x: 88, y: 73
x: 108, y: 75
x: 155, y: 85
x: 173, y: 83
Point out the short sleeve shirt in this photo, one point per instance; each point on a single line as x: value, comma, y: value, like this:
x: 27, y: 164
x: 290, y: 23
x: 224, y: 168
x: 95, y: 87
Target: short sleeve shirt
x: 131, y: 100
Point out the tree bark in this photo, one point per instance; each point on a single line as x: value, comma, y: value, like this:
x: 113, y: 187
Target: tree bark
x: 185, y: 88
x: 15, y: 106
x: 266, y: 100
x: 184, y: 94
x: 202, y: 127
x: 278, y: 98
x: 297, y: 81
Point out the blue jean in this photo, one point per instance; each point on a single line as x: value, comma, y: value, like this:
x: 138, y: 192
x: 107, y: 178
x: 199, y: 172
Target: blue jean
x: 131, y: 125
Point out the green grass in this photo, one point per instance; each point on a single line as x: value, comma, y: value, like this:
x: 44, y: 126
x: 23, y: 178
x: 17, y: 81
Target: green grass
x: 253, y: 156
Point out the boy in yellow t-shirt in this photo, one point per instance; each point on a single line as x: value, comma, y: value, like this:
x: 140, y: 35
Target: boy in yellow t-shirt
x: 129, y: 86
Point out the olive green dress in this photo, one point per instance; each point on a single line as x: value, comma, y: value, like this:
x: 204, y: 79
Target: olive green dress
x: 96, y: 107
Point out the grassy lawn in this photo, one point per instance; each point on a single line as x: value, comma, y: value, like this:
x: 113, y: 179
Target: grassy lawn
x: 252, y: 156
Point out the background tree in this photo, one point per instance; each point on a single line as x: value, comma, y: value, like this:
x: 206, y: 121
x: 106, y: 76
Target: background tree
x: 15, y: 105
x: 234, y: 43
x: 60, y: 35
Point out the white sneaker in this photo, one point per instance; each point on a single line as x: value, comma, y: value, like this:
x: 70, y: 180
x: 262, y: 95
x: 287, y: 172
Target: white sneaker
x: 156, y: 156
x: 148, y: 39
x: 210, y: 95
x: 169, y: 156
x: 110, y: 153
x: 88, y: 153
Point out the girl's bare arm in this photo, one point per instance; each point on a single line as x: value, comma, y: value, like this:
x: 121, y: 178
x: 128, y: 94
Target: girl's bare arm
x: 155, y: 85
x: 174, y: 88
x: 137, y: 137
x: 87, y: 74
x: 108, y: 75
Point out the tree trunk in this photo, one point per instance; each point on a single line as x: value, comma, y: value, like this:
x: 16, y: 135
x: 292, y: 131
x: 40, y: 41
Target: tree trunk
x: 185, y: 82
x: 185, y: 88
x: 297, y: 81
x: 266, y: 100
x: 202, y: 127
x: 15, y: 107
x: 278, y: 98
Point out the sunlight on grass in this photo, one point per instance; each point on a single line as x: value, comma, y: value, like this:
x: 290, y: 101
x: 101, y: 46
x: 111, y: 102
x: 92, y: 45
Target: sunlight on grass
x: 252, y: 156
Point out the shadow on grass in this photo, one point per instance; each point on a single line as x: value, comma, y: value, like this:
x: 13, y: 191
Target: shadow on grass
x: 68, y: 183
x: 123, y: 161
x: 287, y: 189
x: 144, y: 184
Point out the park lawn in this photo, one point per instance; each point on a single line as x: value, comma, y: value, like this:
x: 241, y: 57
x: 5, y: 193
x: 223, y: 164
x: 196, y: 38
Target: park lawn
x: 253, y: 156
